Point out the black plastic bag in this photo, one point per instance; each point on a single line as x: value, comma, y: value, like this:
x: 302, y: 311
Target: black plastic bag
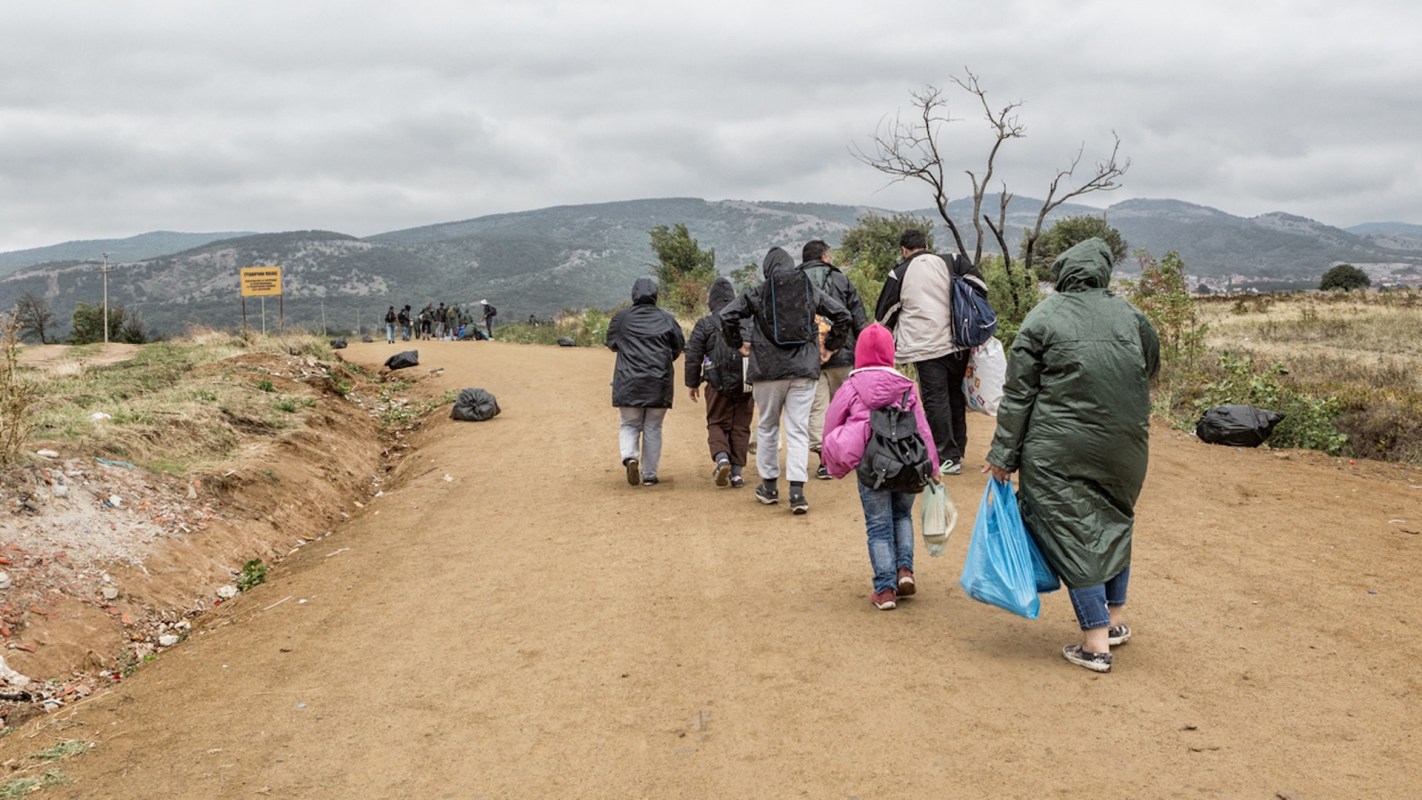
x: 1237, y: 426
x: 474, y: 405
x: 338, y: 344
x: 564, y: 341
x: 409, y: 358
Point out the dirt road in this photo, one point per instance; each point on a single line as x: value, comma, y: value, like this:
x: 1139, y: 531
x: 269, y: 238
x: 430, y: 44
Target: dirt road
x: 514, y: 620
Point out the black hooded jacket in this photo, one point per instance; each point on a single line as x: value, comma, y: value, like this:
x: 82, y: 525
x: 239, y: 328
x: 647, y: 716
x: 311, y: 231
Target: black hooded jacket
x: 838, y: 286
x: 647, y: 340
x: 767, y: 361
x: 725, y: 368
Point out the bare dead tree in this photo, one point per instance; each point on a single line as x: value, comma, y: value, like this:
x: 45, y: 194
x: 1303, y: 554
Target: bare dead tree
x: 907, y: 150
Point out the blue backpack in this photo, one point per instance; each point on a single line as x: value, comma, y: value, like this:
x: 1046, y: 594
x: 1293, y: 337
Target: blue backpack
x: 974, y: 321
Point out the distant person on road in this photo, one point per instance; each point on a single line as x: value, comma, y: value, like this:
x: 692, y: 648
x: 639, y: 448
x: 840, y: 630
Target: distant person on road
x: 782, y: 376
x: 647, y: 340
x: 488, y: 316
x: 439, y: 322
x: 1075, y: 424
x: 390, y: 319
x: 916, y: 303
x: 888, y: 515
x: 835, y: 365
x: 728, y: 405
x: 405, y: 322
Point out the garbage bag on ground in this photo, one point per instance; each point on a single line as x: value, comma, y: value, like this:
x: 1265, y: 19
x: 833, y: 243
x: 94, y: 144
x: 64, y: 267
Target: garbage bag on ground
x: 1237, y: 426
x: 407, y: 358
x: 564, y: 341
x: 474, y: 405
x: 338, y: 344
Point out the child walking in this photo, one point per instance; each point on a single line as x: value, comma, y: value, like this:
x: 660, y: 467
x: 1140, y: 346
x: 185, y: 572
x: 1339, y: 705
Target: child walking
x: 888, y: 516
x: 728, y: 405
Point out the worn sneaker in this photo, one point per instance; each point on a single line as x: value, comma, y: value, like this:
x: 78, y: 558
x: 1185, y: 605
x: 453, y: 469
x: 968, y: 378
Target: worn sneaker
x: 737, y: 482
x: 722, y: 473
x: 649, y: 480
x: 1118, y: 634
x: 798, y: 503
x: 822, y: 473
x: 1096, y: 662
x: 884, y: 600
x: 766, y: 495
x: 906, y: 584
x: 951, y: 467
x: 634, y: 471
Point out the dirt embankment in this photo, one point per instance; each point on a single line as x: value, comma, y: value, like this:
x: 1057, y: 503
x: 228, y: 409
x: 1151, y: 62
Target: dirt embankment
x: 106, y: 563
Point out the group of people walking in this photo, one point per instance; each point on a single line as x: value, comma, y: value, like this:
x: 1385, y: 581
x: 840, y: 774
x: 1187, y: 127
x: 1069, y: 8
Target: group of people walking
x: 442, y: 322
x: 1073, y: 422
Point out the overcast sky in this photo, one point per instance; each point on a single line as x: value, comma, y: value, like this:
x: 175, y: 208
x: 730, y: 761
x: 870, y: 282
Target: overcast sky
x: 118, y: 118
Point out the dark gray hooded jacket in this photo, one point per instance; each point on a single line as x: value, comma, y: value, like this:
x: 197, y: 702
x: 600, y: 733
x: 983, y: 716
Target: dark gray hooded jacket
x: 723, y: 372
x: 767, y: 361
x: 647, y: 340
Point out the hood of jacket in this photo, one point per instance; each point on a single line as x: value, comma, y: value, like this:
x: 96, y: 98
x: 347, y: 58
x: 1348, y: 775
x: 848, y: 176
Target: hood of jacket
x: 722, y: 292
x: 775, y: 260
x: 1085, y: 265
x: 644, y: 292
x: 875, y: 347
x: 880, y: 386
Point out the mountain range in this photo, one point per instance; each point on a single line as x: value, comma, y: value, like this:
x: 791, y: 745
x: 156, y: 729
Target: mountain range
x: 538, y: 262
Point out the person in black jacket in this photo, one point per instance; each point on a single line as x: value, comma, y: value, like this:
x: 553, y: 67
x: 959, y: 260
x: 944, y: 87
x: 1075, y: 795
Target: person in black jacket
x: 647, y: 340
x: 836, y: 365
x: 782, y: 379
x: 728, y: 405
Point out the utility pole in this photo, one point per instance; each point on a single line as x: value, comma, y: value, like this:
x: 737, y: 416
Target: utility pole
x: 106, y: 298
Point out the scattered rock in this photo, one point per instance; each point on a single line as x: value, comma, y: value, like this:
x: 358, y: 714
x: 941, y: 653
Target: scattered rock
x: 227, y: 592
x: 110, y: 593
x: 5, y: 580
x: 46, y: 454
x: 168, y: 640
x: 12, y: 677
x: 99, y: 416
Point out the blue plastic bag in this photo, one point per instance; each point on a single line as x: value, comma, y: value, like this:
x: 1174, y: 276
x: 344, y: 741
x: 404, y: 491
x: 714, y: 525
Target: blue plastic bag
x: 999, y: 568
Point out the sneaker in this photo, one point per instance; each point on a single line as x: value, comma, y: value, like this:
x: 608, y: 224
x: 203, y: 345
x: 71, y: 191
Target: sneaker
x: 951, y: 467
x: 1118, y: 634
x: 906, y: 584
x: 1096, y: 662
x: 822, y: 473
x: 722, y: 473
x: 766, y: 495
x: 737, y: 482
x: 634, y: 471
x: 649, y: 480
x: 798, y: 503
x: 884, y: 600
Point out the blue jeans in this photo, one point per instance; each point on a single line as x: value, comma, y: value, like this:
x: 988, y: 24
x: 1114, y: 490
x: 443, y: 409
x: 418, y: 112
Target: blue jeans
x: 888, y: 520
x: 390, y: 332
x: 1090, y: 603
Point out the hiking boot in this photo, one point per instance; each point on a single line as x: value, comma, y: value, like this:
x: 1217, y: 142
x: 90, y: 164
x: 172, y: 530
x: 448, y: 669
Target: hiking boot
x: 884, y: 600
x: 737, y: 482
x: 1096, y: 662
x: 766, y: 495
x: 634, y: 471
x: 722, y: 473
x: 906, y: 584
x: 822, y: 473
x: 649, y: 480
x: 951, y: 467
x: 1118, y: 634
x: 798, y: 503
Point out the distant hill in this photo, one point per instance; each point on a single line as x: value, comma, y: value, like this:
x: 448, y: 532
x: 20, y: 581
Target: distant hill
x: 1391, y: 235
x: 541, y: 261
x: 134, y: 248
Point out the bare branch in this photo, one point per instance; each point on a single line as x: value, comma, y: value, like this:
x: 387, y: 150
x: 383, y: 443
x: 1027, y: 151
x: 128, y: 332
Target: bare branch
x: 1105, y: 179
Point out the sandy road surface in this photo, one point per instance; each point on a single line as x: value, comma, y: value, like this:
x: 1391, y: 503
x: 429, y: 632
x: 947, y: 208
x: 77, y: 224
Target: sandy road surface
x: 535, y: 627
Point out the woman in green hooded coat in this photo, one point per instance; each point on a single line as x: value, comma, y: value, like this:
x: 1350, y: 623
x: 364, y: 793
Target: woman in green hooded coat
x: 1075, y: 424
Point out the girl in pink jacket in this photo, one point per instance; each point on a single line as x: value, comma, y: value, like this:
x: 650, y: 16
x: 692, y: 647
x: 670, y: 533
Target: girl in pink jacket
x: 888, y: 516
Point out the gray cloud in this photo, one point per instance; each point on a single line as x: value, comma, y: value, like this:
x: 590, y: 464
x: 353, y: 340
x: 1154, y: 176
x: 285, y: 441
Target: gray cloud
x: 364, y: 117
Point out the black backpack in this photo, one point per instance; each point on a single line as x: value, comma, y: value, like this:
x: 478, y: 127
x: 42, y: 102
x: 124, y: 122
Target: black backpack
x: 724, y: 367
x: 895, y: 457
x: 787, y: 315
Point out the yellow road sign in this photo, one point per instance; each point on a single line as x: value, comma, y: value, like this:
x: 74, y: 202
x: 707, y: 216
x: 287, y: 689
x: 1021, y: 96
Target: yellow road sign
x: 261, y: 281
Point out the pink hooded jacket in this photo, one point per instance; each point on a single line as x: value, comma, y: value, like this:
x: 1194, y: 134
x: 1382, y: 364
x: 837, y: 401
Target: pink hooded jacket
x: 873, y: 384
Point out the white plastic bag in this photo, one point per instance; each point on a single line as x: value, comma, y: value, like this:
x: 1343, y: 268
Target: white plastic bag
x: 982, y: 383
x: 936, y: 517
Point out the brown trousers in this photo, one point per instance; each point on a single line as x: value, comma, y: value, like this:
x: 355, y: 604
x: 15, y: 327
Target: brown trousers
x: 728, y: 420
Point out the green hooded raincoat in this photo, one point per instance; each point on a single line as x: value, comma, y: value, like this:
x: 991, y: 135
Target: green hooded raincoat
x: 1075, y: 418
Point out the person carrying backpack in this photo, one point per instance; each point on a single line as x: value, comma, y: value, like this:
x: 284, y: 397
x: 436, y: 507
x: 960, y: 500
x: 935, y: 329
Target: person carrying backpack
x: 404, y: 319
x: 784, y: 353
x: 728, y: 405
x: 647, y: 340
x: 835, y: 365
x: 888, y: 514
x: 390, y: 318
